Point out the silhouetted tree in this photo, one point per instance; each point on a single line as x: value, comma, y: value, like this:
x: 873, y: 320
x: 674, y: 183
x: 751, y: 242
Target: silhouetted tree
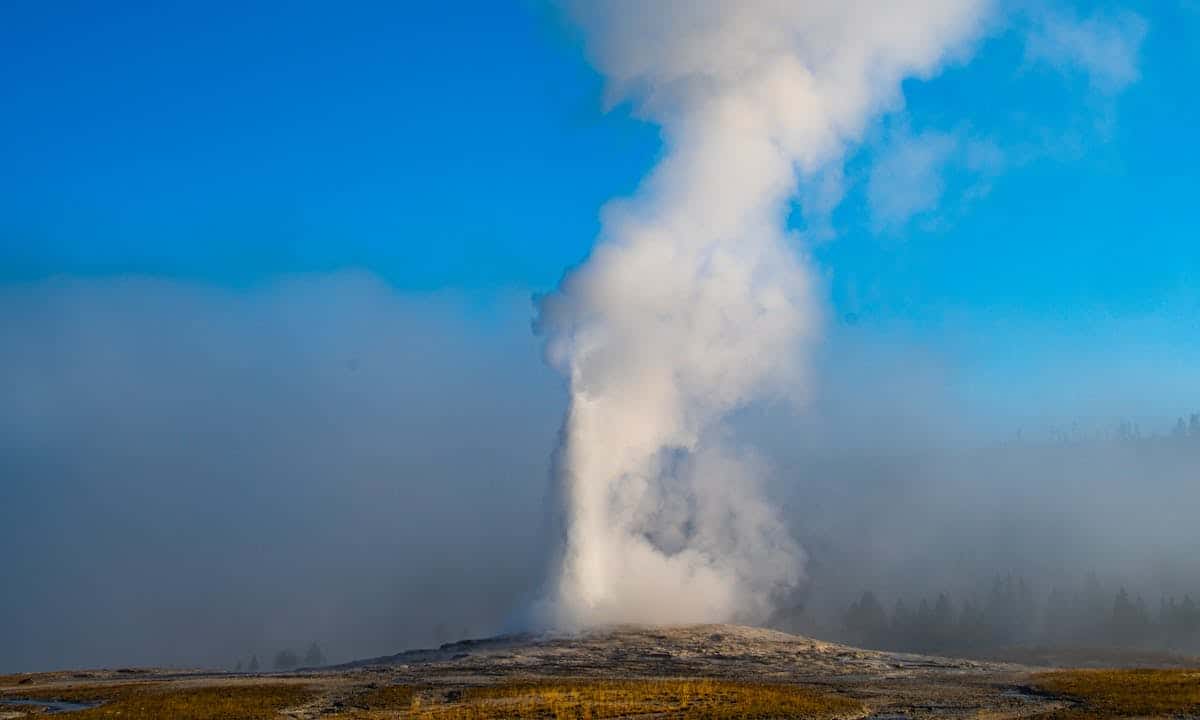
x: 1187, y: 625
x: 314, y: 657
x: 1062, y: 616
x: 1129, y: 623
x: 253, y: 663
x: 972, y: 627
x: 941, y: 624
x: 286, y: 660
x: 1094, y: 603
x: 1179, y: 624
x: 902, y: 626
x: 1180, y: 432
x: 1010, y: 610
x: 866, y: 622
x: 441, y: 634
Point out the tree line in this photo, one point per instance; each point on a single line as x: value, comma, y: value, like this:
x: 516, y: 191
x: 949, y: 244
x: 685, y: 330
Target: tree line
x: 1010, y: 614
x: 286, y: 659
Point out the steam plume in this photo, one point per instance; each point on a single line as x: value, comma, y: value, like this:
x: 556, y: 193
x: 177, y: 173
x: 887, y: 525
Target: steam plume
x: 693, y: 302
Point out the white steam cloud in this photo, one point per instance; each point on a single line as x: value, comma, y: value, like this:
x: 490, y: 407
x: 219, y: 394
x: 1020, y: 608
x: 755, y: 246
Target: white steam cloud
x: 694, y: 302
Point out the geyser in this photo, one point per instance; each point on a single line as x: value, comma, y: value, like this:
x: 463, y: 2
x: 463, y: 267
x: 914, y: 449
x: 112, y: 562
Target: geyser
x: 694, y: 301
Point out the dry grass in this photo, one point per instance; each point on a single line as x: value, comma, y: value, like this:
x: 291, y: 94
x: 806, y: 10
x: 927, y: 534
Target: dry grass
x: 1124, y: 693
x: 612, y: 699
x: 12, y: 681
x: 383, y: 702
x: 550, y: 700
x: 154, y: 701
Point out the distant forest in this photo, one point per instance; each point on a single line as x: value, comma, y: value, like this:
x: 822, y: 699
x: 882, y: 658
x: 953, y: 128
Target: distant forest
x: 1183, y: 432
x: 1009, y: 614
x: 1008, y: 609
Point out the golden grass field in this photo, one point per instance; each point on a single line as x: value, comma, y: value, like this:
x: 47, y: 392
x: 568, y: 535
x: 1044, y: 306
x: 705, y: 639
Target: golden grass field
x: 563, y: 700
x: 1076, y: 695
x: 617, y: 699
x: 1086, y: 694
x: 1124, y: 693
x: 159, y: 701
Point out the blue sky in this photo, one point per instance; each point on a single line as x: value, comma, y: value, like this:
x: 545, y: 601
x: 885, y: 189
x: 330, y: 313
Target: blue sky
x: 466, y: 149
x: 436, y: 148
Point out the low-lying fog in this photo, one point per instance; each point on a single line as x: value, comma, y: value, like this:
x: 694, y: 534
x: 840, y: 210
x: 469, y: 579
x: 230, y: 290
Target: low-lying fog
x: 192, y: 476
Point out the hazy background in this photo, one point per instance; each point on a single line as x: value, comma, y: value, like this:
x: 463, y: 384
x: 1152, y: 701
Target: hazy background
x: 267, y: 375
x: 193, y: 475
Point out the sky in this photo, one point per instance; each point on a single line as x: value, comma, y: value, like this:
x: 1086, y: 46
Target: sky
x: 278, y: 259
x: 1038, y: 199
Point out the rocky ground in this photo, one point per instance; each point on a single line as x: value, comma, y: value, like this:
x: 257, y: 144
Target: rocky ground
x: 892, y: 684
x: 882, y: 684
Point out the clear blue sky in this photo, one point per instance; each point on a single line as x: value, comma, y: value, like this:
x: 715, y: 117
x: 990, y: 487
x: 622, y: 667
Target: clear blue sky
x: 466, y: 148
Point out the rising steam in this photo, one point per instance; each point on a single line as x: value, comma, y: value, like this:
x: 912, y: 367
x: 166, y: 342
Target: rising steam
x: 694, y: 303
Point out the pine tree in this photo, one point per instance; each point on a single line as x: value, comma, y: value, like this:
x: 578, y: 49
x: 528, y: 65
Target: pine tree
x: 942, y: 626
x: 923, y: 629
x: 1188, y: 625
x: 286, y: 660
x: 314, y: 657
x: 902, y: 626
x: 866, y: 622
x: 1129, y: 620
x: 972, y: 627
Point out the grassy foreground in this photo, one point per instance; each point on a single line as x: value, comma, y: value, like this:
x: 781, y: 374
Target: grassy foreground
x: 587, y: 700
x: 1066, y: 694
x: 553, y: 700
x: 1124, y: 693
x: 158, y: 701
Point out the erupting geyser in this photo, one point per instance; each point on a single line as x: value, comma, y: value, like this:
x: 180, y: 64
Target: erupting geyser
x: 694, y: 301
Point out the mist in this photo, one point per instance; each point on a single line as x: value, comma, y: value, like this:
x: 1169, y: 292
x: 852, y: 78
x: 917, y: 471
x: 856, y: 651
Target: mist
x: 196, y: 474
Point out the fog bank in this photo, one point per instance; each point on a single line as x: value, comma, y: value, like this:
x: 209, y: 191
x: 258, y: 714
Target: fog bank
x: 192, y: 475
